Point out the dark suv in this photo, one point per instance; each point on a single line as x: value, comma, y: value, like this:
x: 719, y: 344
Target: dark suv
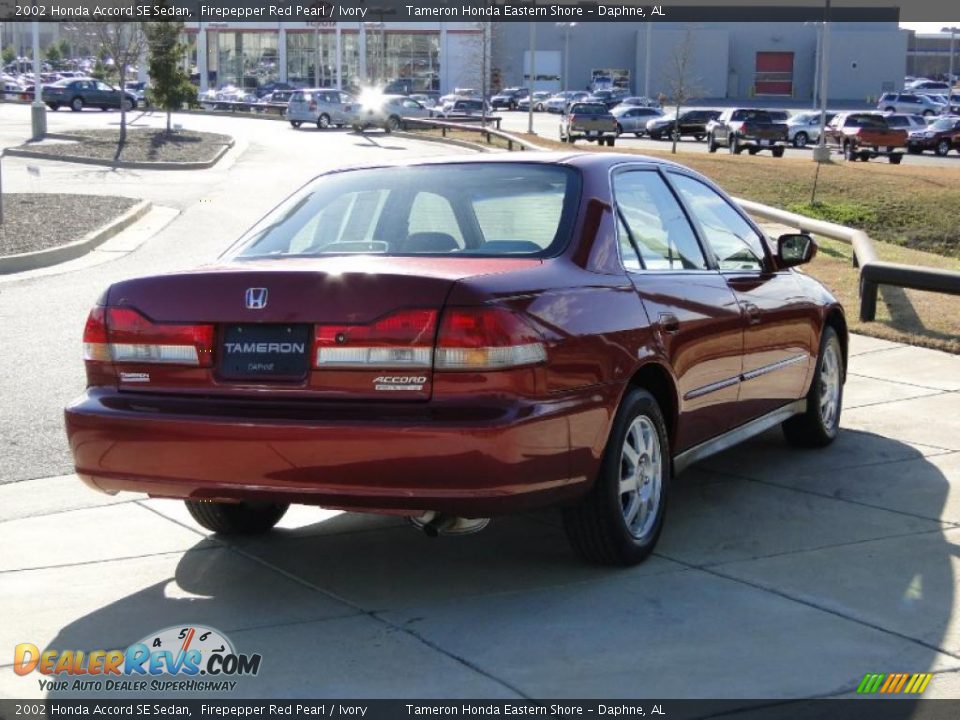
x: 690, y: 122
x: 508, y: 98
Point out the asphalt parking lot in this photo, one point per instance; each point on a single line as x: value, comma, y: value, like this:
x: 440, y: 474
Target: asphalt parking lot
x: 547, y: 126
x: 781, y: 573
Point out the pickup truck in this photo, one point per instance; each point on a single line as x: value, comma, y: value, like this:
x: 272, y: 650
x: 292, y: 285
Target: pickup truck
x: 747, y: 129
x: 864, y: 136
x: 588, y: 121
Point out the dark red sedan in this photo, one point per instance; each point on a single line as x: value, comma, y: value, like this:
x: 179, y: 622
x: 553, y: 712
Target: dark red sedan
x: 457, y: 339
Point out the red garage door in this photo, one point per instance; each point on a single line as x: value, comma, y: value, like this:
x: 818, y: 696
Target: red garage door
x: 774, y: 73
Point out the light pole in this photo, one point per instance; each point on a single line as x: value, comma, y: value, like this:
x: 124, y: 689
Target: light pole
x: 38, y: 112
x: 821, y: 153
x: 568, y: 26
x: 950, y: 79
x: 646, y: 63
x: 816, y: 66
x: 533, y: 74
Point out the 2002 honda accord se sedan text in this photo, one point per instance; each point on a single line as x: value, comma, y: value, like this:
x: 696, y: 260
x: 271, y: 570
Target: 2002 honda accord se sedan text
x: 451, y: 340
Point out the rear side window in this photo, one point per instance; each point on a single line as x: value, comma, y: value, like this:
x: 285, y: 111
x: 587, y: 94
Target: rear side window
x: 482, y: 209
x: 655, y: 223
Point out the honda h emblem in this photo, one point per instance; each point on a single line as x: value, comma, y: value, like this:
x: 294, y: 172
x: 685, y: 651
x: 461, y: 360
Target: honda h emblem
x: 256, y: 298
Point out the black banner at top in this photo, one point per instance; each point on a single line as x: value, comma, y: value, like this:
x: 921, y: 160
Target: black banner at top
x: 343, y: 11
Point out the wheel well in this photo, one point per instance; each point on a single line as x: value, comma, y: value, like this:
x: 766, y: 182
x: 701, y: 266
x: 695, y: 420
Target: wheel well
x: 838, y: 322
x: 656, y: 380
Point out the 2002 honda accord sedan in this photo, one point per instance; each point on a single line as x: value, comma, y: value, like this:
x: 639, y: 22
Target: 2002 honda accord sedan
x: 451, y: 340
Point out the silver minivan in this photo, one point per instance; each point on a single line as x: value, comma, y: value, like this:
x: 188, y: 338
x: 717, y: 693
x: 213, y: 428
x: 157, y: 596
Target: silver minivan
x: 324, y: 107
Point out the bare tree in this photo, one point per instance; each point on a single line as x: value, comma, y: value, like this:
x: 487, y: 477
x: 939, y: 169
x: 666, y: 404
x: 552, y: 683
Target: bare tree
x: 125, y: 43
x: 683, y: 86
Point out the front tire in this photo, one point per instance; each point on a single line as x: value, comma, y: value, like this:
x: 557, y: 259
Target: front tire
x: 76, y: 104
x: 323, y: 122
x: 778, y: 152
x: 295, y: 123
x: 895, y: 159
x: 943, y: 147
x: 711, y: 143
x: 619, y: 521
x: 800, y: 140
x: 244, y: 518
x: 819, y: 425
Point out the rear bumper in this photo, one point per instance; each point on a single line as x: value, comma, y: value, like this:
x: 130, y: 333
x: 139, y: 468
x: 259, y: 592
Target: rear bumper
x: 472, y: 460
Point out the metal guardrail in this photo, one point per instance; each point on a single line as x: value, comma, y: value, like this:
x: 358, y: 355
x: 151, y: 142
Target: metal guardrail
x: 484, y: 130
x: 873, y: 271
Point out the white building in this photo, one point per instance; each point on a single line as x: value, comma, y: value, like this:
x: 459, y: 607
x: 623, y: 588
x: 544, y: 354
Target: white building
x: 425, y: 56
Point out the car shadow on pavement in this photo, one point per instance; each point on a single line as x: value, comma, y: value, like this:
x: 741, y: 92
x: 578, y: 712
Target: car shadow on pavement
x: 781, y: 573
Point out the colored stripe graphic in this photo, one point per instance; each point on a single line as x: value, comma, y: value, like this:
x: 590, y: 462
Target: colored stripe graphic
x: 894, y: 683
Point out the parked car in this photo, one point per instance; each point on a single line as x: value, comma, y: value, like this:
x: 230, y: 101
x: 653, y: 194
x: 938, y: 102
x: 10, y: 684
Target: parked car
x: 384, y: 341
x: 558, y: 102
x: 906, y: 122
x: 747, y: 129
x: 634, y: 118
x: 640, y: 101
x: 323, y: 107
x: 588, y: 121
x: 804, y: 128
x: 925, y: 86
x: 610, y: 97
x: 508, y: 98
x: 271, y: 87
x: 864, y: 136
x: 464, y: 106
x: 87, y: 92
x: 540, y: 97
x: 690, y: 123
x: 942, y: 136
x: 388, y: 113
x: 909, y: 103
x: 428, y: 101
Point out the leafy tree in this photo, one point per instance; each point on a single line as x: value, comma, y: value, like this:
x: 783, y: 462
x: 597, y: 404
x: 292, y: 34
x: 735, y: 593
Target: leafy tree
x: 170, y: 84
x: 99, y: 70
x: 9, y: 54
x: 66, y: 51
x: 52, y: 54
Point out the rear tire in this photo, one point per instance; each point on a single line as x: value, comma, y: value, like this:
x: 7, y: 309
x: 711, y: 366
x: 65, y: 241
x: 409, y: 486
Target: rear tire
x: 711, y: 143
x: 393, y: 123
x: 619, y: 521
x: 76, y: 104
x: 245, y: 518
x: 895, y: 159
x: 848, y: 154
x: 819, y: 425
x: 800, y: 140
x: 778, y: 152
x: 735, y: 148
x: 611, y: 142
x: 296, y: 123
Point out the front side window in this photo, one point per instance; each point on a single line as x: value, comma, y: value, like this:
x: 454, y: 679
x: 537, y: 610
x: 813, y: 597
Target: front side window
x: 656, y: 223
x: 736, y: 245
x: 488, y: 209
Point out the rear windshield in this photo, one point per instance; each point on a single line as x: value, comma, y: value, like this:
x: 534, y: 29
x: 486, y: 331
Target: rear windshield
x: 482, y: 209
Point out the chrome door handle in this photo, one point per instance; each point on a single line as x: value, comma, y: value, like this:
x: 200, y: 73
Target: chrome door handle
x: 754, y: 316
x: 669, y: 323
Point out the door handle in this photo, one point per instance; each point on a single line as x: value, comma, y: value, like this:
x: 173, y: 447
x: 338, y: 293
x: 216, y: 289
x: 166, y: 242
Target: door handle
x: 754, y: 316
x: 669, y: 323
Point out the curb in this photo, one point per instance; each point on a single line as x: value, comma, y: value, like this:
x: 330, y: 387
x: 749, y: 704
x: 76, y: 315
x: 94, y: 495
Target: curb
x: 122, y: 164
x: 78, y: 248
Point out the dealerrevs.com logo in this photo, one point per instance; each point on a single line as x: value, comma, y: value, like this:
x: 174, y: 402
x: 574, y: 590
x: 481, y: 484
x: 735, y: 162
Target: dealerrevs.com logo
x: 184, y: 659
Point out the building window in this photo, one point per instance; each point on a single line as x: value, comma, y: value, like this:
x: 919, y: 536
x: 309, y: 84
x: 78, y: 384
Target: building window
x: 246, y: 59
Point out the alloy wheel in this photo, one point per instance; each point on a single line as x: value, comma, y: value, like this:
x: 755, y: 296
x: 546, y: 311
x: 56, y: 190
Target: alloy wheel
x: 641, y: 471
x: 829, y: 386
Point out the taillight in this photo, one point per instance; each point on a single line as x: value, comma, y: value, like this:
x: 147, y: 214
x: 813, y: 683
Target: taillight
x: 402, y: 339
x: 486, y: 339
x: 123, y: 335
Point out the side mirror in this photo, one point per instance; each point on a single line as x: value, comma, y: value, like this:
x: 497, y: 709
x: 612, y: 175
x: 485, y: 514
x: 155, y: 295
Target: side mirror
x: 795, y: 249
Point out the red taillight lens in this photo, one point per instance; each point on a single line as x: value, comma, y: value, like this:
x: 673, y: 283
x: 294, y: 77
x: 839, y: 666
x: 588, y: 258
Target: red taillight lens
x: 486, y: 339
x: 123, y: 335
x: 401, y: 339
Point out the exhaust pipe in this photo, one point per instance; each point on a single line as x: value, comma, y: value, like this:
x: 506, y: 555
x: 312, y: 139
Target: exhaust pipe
x: 433, y: 524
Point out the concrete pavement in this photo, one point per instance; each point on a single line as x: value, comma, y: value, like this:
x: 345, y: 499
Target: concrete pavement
x: 781, y: 573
